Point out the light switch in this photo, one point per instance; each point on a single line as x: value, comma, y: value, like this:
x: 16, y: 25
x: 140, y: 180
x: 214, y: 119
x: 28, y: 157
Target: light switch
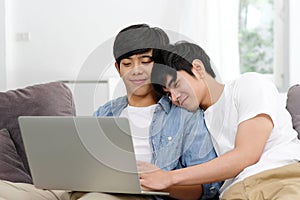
x: 23, y: 37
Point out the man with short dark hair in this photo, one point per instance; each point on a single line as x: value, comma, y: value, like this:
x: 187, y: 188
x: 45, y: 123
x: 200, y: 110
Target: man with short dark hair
x: 257, y: 147
x: 163, y: 134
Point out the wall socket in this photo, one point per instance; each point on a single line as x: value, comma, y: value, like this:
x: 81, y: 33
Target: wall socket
x: 23, y: 37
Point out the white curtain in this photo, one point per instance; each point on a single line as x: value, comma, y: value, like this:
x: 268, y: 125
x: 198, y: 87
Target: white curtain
x: 281, y: 45
x: 213, y: 24
x: 2, y: 48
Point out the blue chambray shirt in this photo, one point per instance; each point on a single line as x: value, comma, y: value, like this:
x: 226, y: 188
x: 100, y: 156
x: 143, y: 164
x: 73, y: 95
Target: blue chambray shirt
x: 178, y: 138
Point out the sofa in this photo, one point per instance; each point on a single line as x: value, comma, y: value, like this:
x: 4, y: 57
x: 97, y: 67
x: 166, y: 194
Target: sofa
x: 293, y: 106
x: 56, y: 99
x: 48, y: 99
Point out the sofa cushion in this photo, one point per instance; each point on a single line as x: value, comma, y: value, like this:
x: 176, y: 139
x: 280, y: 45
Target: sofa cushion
x: 47, y: 99
x: 293, y: 106
x: 11, y: 165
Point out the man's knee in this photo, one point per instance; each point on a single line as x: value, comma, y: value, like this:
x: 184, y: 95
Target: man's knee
x: 24, y: 191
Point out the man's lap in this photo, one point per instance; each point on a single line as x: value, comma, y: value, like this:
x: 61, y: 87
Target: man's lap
x: 278, y: 183
x: 97, y: 196
x: 24, y: 191
x: 10, y: 190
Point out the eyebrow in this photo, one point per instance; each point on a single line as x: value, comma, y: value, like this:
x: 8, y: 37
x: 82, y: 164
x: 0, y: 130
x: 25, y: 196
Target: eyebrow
x: 141, y: 56
x: 173, y: 80
x: 146, y: 56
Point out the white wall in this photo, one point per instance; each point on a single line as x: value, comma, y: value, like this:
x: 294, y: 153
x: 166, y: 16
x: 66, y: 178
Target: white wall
x: 63, y: 34
x: 2, y: 47
x: 294, y: 42
x: 72, y: 40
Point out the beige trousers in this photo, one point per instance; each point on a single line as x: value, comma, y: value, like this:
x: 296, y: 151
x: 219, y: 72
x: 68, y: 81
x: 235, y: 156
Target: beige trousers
x: 97, y: 196
x: 24, y: 191
x: 282, y: 183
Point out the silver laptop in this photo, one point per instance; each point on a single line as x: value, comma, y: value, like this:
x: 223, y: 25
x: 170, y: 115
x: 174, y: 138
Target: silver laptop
x: 92, y: 154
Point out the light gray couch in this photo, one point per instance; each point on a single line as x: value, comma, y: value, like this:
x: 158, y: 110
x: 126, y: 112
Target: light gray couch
x: 293, y: 106
x: 56, y: 99
x: 44, y: 99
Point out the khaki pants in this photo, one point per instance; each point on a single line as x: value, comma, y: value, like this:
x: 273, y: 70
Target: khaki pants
x: 282, y: 183
x: 97, y: 196
x: 24, y: 191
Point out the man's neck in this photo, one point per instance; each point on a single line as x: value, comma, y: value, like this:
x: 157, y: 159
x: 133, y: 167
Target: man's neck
x: 142, y: 101
x: 213, y: 93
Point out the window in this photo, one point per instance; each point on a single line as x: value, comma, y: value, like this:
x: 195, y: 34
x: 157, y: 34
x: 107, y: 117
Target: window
x: 256, y: 36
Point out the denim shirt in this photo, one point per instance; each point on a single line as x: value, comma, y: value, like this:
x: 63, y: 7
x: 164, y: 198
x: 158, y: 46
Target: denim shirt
x: 178, y: 138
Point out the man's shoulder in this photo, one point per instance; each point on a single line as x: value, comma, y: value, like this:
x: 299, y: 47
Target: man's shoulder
x: 172, y: 108
x: 252, y: 83
x: 176, y: 111
x: 253, y: 78
x: 112, y: 106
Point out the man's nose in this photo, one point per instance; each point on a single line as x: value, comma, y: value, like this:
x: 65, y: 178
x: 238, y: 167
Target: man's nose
x: 175, y: 95
x: 136, y: 68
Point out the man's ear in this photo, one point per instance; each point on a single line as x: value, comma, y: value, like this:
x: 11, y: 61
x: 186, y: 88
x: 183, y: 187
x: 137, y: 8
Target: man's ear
x: 117, y: 67
x: 199, y: 67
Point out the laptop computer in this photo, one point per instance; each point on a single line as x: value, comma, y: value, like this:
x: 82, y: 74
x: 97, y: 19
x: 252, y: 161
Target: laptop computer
x: 92, y: 154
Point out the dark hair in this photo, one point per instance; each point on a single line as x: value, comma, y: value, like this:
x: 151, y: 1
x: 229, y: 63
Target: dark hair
x: 137, y: 39
x: 159, y: 76
x: 178, y: 57
x: 187, y: 52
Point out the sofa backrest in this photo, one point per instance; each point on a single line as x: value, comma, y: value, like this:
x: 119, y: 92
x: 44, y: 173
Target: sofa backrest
x: 293, y: 106
x: 48, y: 99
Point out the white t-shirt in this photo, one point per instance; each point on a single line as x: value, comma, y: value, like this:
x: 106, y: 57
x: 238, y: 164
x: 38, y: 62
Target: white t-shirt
x: 140, y: 119
x: 244, y: 99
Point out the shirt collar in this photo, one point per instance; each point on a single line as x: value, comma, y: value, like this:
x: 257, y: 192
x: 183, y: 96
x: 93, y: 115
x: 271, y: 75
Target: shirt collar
x: 165, y: 103
x: 119, y: 104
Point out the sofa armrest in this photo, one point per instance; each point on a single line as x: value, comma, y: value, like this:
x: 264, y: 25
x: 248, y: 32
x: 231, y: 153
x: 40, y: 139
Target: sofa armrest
x: 293, y: 106
x: 49, y: 99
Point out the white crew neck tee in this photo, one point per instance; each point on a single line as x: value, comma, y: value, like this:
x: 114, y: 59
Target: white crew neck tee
x: 140, y: 119
x: 244, y: 99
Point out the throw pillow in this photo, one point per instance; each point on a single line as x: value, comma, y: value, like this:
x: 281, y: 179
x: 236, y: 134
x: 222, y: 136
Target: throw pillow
x: 49, y: 99
x: 11, y: 165
x: 293, y: 106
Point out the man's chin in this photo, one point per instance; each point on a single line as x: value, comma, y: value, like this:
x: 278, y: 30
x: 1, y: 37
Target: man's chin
x: 141, y: 92
x: 190, y: 109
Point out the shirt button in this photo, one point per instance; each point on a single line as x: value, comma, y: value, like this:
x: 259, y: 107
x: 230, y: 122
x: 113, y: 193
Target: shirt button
x: 169, y: 138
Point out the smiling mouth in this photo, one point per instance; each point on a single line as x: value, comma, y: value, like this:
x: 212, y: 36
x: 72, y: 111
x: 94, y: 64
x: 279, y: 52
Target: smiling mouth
x: 138, y: 82
x: 181, y: 102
